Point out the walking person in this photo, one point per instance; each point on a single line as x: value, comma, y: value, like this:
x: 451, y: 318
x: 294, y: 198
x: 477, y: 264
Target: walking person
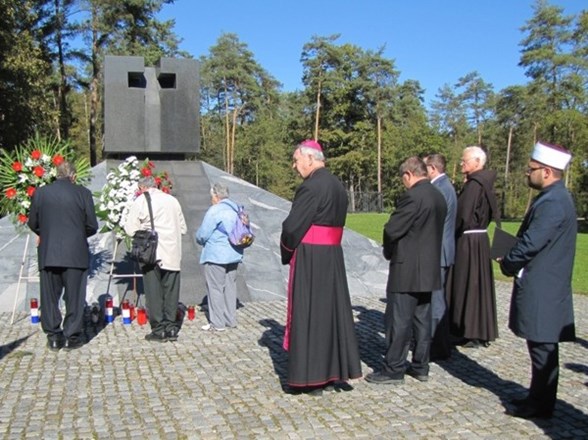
x: 440, y: 343
x: 63, y: 217
x: 412, y: 244
x: 320, y: 335
x: 471, y: 296
x: 162, y: 280
x: 541, y: 263
x: 220, y: 259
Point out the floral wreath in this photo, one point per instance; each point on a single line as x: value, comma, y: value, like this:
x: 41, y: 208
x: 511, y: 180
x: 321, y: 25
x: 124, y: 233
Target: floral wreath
x: 30, y: 166
x: 116, y: 196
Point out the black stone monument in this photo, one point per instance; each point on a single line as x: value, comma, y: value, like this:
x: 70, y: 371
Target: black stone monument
x: 151, y: 111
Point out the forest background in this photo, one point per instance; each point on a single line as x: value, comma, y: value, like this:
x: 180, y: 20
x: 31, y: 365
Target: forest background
x: 352, y: 100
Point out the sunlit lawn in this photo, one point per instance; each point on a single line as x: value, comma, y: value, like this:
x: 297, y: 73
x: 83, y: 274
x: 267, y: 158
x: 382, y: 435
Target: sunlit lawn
x: 372, y: 224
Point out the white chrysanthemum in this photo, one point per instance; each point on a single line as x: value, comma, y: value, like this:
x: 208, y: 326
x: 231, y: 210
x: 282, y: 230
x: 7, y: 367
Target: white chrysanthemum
x: 46, y: 158
x: 29, y: 162
x: 22, y: 178
x: 26, y: 204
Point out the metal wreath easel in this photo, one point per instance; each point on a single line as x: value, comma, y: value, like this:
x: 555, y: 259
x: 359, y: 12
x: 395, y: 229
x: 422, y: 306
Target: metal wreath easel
x: 112, y: 275
x: 22, y: 278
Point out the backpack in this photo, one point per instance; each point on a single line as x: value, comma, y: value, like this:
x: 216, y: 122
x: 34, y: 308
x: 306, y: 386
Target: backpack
x: 241, y: 236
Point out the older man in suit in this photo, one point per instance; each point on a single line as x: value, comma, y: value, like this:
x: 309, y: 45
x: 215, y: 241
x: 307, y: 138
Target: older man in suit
x: 62, y: 215
x: 412, y: 244
x: 440, y: 344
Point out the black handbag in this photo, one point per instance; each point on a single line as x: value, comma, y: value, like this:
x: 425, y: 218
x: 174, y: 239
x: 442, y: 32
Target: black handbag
x: 144, y: 244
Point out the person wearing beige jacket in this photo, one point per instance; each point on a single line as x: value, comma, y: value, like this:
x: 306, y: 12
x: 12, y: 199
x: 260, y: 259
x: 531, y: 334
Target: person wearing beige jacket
x: 162, y: 281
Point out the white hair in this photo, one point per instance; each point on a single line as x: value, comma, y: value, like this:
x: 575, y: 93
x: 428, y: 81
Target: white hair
x: 476, y: 153
x: 318, y: 155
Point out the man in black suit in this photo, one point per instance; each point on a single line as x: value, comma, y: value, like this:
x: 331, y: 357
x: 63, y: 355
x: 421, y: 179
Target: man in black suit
x: 62, y: 215
x: 412, y: 244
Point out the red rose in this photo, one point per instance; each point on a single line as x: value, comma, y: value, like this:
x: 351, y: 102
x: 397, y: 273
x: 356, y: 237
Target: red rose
x: 39, y: 171
x: 158, y: 181
x: 57, y: 160
x: 150, y: 164
x: 10, y: 193
x: 36, y: 154
x: 22, y: 218
x: 146, y: 171
x: 17, y: 166
x: 165, y: 189
x: 31, y: 191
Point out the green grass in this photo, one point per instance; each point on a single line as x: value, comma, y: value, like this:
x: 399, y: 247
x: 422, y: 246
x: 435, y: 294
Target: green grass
x: 372, y: 224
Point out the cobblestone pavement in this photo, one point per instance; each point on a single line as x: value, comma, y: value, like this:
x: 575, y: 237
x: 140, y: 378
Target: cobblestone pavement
x: 229, y: 385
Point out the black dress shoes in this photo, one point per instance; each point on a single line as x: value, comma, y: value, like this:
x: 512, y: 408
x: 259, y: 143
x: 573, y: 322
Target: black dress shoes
x: 311, y: 391
x: 73, y: 344
x: 172, y: 334
x: 528, y: 412
x: 156, y: 337
x: 380, y: 377
x: 55, y: 344
x: 420, y: 377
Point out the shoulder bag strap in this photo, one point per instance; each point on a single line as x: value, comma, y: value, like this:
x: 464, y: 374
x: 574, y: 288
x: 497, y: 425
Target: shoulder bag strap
x: 148, y: 198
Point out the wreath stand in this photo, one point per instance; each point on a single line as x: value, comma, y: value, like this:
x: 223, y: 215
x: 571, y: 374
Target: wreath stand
x: 112, y: 275
x: 22, y: 278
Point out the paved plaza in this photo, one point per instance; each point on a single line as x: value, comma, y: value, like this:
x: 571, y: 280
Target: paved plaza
x: 229, y: 385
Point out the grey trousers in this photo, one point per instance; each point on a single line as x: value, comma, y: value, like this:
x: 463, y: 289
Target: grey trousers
x: 162, y: 293
x: 222, y: 294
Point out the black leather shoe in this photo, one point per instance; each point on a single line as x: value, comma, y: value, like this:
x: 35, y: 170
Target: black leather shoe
x: 55, y: 344
x: 156, y: 337
x: 382, y: 378
x: 417, y: 376
x: 73, y: 344
x: 342, y: 386
x: 528, y: 412
x: 172, y: 335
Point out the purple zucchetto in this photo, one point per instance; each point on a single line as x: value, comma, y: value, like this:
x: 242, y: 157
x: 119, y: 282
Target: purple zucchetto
x: 310, y: 143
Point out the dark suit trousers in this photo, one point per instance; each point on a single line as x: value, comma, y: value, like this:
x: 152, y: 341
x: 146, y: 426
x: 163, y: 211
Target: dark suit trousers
x: 440, y: 345
x: 72, y: 281
x: 162, y: 293
x: 545, y: 375
x: 407, y: 317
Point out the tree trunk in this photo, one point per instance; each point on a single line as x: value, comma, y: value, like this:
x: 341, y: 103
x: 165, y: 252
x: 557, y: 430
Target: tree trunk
x: 227, y: 132
x: 64, y: 117
x: 233, y: 136
x: 94, y: 84
x: 379, y: 155
x: 317, y: 112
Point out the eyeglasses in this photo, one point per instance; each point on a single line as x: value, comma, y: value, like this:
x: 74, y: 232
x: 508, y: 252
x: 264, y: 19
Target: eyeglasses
x: 464, y: 161
x: 531, y: 169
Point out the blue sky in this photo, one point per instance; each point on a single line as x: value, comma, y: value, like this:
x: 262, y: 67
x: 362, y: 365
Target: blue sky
x: 433, y: 41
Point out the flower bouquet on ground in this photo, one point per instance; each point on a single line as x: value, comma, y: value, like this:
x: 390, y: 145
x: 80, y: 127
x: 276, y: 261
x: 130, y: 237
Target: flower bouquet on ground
x: 30, y: 166
x: 117, y: 195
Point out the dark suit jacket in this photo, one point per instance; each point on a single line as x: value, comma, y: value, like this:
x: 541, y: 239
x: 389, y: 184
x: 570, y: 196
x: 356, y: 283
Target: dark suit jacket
x: 412, y: 240
x: 541, y: 308
x: 444, y: 185
x: 62, y: 215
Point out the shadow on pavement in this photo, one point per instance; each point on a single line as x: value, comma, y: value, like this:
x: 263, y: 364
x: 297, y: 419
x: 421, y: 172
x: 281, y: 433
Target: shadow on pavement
x: 272, y: 338
x: 372, y: 346
x: 6, y: 349
x: 470, y: 372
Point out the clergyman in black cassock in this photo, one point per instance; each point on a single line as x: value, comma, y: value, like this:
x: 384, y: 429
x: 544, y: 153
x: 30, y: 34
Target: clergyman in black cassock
x: 320, y: 336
